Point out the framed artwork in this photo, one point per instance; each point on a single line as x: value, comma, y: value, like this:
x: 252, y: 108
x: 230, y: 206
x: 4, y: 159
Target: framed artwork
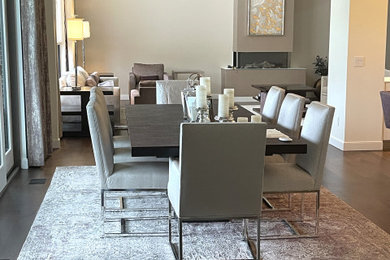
x: 266, y: 17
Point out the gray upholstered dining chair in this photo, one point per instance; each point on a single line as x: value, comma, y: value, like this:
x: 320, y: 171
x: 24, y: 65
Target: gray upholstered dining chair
x: 290, y: 115
x: 289, y: 122
x: 149, y: 176
x: 169, y: 91
x: 304, y: 176
x: 119, y: 141
x: 209, y: 182
x: 273, y: 102
x: 385, y: 97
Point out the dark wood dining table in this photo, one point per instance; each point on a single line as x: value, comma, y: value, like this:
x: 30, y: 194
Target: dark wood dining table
x: 154, y: 130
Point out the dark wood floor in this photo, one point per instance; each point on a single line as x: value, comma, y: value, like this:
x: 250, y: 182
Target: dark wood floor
x: 362, y: 179
x: 21, y: 200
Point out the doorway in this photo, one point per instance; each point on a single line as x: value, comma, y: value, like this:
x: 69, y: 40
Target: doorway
x: 6, y: 142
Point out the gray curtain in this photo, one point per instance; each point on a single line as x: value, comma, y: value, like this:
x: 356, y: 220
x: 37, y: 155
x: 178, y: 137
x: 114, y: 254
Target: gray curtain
x: 36, y: 81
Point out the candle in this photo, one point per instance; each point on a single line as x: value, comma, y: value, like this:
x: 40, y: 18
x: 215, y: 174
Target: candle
x: 201, y: 97
x: 206, y: 81
x: 223, y: 106
x: 230, y: 93
x: 242, y: 119
x: 256, y: 118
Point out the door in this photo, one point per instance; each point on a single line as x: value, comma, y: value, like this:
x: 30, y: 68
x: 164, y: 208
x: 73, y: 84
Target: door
x: 6, y: 149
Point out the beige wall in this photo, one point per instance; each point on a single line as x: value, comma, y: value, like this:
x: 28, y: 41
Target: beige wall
x: 311, y: 34
x: 185, y: 34
x: 182, y: 34
x: 357, y: 30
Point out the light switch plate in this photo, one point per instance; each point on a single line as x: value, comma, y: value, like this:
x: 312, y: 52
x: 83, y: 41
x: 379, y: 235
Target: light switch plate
x: 359, y: 61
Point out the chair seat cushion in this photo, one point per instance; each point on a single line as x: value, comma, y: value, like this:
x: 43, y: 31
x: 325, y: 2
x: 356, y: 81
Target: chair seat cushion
x: 147, y: 83
x: 121, y: 141
x: 286, y: 177
x: 139, y: 175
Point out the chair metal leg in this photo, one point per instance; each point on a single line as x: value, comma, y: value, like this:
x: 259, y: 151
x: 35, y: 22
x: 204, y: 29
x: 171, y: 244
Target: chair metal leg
x: 124, y: 220
x: 294, y: 231
x: 245, y: 229
x: 258, y: 238
x: 169, y: 222
x: 255, y: 248
x: 317, y: 212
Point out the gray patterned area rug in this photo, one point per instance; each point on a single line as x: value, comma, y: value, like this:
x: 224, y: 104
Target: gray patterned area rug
x: 69, y: 226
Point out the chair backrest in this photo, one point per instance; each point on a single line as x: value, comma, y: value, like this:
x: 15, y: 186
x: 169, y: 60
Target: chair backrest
x: 101, y: 140
x: 169, y: 91
x: 316, y: 131
x: 290, y: 114
x: 222, y: 167
x: 96, y: 92
x: 272, y: 104
x: 385, y: 96
x: 148, y: 70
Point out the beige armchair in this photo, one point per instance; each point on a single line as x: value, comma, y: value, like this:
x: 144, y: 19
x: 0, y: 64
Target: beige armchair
x: 142, y: 82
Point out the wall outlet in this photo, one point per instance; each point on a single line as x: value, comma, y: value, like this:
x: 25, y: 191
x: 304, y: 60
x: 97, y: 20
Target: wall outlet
x: 359, y: 61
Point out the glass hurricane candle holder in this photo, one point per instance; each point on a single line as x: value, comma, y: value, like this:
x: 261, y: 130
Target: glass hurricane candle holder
x: 202, y: 115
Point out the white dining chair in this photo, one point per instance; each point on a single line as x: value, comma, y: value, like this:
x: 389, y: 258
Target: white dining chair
x: 210, y: 182
x: 169, y: 91
x: 305, y: 175
x: 273, y: 102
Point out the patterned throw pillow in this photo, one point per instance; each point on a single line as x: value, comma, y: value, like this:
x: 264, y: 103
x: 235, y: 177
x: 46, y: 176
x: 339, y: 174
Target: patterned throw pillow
x: 96, y: 76
x: 81, y: 71
x: 91, y: 82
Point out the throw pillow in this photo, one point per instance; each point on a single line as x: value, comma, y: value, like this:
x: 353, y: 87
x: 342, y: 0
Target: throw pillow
x: 81, y: 71
x: 96, y: 76
x: 107, y: 83
x: 91, y: 82
x: 150, y: 77
x: 70, y: 79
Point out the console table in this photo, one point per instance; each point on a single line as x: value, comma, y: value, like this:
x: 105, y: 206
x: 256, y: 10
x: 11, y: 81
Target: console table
x: 75, y: 110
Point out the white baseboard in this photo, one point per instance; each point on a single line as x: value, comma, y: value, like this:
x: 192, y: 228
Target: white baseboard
x: 24, y: 164
x: 356, y: 146
x: 125, y: 97
x: 56, y: 143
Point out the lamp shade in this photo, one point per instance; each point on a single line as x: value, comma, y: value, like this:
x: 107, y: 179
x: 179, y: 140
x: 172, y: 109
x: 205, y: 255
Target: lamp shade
x: 75, y: 29
x: 86, y: 31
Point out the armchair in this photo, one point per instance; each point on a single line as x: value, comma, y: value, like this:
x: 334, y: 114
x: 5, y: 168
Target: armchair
x: 142, y: 82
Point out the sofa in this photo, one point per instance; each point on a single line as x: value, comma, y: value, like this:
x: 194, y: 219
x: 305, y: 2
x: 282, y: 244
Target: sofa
x: 90, y: 80
x: 142, y: 82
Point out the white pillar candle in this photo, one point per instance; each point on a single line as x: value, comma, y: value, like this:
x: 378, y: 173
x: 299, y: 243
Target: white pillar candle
x: 256, y: 118
x: 242, y: 119
x: 230, y: 93
x: 201, y: 97
x: 223, y: 106
x: 206, y: 81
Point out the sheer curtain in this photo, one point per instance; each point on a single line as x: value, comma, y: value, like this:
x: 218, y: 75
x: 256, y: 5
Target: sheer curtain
x: 36, y: 81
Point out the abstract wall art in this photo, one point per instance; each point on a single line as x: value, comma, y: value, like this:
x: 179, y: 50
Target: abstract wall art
x: 266, y: 17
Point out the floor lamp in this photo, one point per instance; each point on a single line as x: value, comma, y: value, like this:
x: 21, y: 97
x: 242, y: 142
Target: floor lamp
x: 75, y: 32
x: 87, y: 34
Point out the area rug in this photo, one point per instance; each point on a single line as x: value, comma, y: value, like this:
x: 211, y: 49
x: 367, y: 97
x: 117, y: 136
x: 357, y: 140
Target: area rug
x: 69, y: 226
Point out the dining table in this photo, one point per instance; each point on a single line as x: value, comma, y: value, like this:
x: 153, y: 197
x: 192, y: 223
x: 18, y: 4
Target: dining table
x: 154, y: 130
